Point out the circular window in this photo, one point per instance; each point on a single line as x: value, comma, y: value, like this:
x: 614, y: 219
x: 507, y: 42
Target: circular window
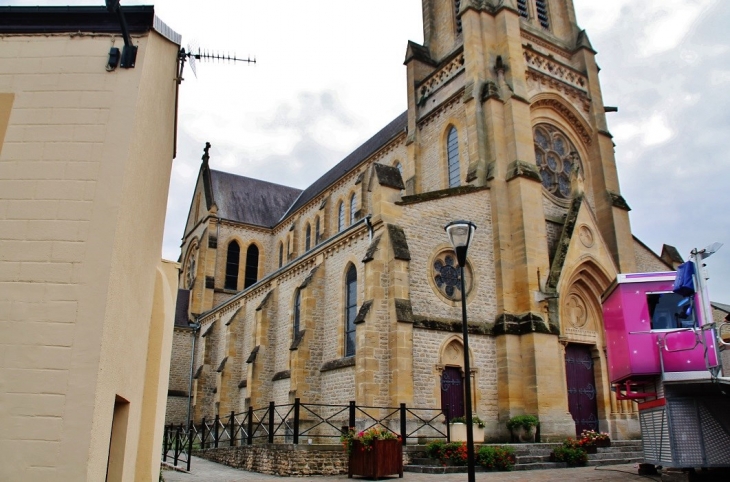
x: 556, y: 157
x: 446, y: 276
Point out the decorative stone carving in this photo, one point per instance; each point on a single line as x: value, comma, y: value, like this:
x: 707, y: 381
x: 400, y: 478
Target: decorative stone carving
x: 576, y: 311
x: 441, y: 77
x: 586, y: 236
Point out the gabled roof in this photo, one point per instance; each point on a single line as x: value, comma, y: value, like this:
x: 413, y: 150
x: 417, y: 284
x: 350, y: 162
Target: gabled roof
x: 372, y: 145
x: 250, y: 201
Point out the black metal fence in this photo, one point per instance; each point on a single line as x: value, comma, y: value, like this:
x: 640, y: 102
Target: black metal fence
x: 298, y: 422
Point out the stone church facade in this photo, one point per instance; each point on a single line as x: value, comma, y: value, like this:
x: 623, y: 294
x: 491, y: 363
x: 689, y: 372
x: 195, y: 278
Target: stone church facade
x: 347, y: 290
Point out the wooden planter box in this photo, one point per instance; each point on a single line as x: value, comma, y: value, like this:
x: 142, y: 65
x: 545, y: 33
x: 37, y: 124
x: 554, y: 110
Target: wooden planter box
x: 385, y: 457
x: 603, y: 443
x: 458, y: 432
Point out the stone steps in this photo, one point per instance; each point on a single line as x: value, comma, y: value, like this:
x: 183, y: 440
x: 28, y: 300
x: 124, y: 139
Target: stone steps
x: 537, y: 457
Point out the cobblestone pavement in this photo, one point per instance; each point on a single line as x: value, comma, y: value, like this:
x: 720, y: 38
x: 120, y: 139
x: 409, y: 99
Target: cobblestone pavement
x: 205, y: 471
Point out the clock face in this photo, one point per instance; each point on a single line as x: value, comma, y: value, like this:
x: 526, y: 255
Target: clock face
x: 190, y: 268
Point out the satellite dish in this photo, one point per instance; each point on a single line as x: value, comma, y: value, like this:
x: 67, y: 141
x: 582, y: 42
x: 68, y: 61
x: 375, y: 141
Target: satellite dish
x: 194, y: 51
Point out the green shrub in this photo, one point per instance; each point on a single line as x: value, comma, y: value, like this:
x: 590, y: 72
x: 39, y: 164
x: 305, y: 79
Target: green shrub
x: 496, y: 457
x: 573, y: 456
x: 525, y: 421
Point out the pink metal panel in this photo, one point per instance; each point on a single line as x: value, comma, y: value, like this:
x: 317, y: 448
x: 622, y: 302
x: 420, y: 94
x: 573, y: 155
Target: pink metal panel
x: 631, y: 350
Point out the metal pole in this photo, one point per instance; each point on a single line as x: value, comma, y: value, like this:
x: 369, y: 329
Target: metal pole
x: 195, y: 328
x: 467, y: 383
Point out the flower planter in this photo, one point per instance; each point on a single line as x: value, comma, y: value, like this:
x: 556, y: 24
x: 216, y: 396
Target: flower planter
x: 381, y: 458
x: 457, y: 432
x: 590, y: 449
x: 522, y: 435
x: 603, y: 442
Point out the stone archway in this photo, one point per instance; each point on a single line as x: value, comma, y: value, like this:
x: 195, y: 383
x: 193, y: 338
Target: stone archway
x: 591, y: 403
x: 450, y: 379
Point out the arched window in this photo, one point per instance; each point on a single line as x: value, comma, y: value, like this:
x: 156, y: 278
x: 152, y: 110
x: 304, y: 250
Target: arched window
x: 556, y: 157
x: 281, y: 254
x: 522, y: 8
x: 340, y: 216
x: 252, y: 266
x: 297, y: 313
x: 457, y: 4
x: 353, y: 208
x: 316, y: 231
x: 350, y: 310
x: 232, y: 260
x: 452, y: 153
x: 542, y: 13
x: 308, y: 237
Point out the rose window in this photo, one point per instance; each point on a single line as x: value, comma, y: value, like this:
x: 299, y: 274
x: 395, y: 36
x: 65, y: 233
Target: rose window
x: 556, y: 157
x: 446, y: 276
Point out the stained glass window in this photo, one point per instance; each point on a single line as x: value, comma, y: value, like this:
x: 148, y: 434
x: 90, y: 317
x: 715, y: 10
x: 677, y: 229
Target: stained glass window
x: 452, y: 153
x: 340, y: 216
x: 297, y: 313
x: 350, y: 310
x: 308, y: 237
x: 353, y: 208
x: 556, y: 157
x: 316, y: 231
x: 252, y: 266
x: 447, y: 276
x: 232, y: 260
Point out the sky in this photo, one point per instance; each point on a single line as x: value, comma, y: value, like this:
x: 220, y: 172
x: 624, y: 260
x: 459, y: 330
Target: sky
x: 329, y: 74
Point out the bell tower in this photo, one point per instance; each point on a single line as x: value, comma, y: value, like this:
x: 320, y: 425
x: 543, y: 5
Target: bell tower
x: 517, y: 80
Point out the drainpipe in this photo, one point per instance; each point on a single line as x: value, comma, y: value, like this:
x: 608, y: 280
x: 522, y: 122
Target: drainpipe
x: 196, y: 328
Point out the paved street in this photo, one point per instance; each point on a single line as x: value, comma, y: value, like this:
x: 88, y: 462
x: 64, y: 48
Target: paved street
x: 204, y: 471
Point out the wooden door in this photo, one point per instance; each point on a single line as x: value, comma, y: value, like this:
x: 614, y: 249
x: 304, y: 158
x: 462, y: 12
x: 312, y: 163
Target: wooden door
x: 581, y: 387
x: 452, y: 392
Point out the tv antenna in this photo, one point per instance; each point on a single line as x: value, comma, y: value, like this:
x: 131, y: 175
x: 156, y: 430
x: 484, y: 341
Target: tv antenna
x: 194, y: 54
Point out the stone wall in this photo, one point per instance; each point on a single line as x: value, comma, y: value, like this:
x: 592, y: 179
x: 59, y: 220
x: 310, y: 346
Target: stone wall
x: 646, y: 260
x: 282, y: 460
x: 288, y: 459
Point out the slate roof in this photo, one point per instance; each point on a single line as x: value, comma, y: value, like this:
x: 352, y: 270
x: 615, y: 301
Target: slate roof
x: 386, y: 134
x: 250, y: 201
x: 260, y: 203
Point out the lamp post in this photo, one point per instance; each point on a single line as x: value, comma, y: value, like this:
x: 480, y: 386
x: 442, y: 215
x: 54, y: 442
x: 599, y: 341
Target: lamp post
x: 460, y: 234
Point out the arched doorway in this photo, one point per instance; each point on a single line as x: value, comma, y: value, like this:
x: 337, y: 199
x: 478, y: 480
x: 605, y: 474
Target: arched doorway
x: 451, y: 378
x: 452, y: 392
x: 581, y: 382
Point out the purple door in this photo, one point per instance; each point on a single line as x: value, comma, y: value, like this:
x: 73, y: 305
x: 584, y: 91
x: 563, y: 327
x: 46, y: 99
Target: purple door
x: 581, y: 387
x: 452, y: 392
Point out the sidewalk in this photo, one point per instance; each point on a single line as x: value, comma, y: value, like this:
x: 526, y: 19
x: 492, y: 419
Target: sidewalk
x: 205, y: 471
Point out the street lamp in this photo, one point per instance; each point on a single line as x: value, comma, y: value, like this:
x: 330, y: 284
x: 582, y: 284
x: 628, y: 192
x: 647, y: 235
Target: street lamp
x: 460, y: 234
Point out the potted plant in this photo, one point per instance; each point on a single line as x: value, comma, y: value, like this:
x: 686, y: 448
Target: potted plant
x: 373, y: 453
x: 600, y: 439
x: 522, y: 428
x: 457, y: 429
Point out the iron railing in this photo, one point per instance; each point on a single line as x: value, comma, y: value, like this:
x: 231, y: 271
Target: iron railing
x: 293, y: 423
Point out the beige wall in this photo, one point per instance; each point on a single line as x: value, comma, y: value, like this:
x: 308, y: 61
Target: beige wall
x: 85, y: 306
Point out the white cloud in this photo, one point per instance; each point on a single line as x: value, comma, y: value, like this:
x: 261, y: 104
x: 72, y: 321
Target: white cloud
x: 667, y: 22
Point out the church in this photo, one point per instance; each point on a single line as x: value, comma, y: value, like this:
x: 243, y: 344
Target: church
x: 347, y: 290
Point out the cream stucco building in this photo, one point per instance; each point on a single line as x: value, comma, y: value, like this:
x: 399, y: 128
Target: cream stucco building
x: 347, y: 290
x: 86, y: 305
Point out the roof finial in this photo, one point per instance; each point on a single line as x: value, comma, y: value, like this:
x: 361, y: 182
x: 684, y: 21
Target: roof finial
x: 206, y: 155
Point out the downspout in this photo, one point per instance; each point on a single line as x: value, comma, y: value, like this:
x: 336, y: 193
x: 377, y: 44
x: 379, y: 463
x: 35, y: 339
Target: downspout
x: 195, y: 327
